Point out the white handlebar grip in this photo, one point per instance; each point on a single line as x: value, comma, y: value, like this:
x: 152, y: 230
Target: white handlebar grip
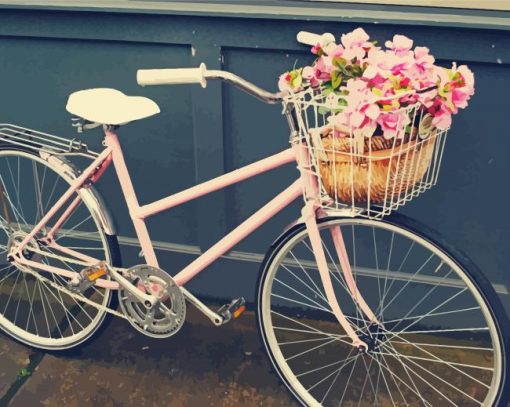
x: 308, y: 38
x: 177, y: 76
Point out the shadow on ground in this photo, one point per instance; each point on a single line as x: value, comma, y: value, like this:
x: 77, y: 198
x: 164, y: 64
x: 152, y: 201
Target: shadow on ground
x: 202, y: 365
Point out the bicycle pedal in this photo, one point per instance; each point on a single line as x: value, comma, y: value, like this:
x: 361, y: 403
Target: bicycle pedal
x: 87, y: 277
x: 232, y: 310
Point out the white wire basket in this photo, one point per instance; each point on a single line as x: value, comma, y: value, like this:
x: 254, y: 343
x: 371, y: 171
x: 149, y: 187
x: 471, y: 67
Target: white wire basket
x: 367, y: 176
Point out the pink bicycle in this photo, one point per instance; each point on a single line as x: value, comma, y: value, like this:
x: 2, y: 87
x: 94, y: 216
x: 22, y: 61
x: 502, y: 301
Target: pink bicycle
x: 356, y: 305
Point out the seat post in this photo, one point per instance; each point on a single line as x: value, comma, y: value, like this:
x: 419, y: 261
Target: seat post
x: 111, y: 141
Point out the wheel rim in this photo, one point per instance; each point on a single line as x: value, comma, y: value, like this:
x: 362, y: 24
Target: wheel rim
x: 424, y: 300
x: 33, y: 311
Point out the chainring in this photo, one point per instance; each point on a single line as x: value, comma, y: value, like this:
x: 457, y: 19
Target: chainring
x: 167, y: 315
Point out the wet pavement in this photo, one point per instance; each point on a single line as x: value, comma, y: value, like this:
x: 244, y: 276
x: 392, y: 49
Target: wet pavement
x: 202, y: 365
x: 13, y: 359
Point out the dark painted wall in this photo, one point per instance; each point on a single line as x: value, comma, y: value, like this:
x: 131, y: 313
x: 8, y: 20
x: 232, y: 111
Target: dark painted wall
x: 45, y: 55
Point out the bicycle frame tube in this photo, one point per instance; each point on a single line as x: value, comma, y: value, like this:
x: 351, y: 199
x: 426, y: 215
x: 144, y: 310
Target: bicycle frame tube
x: 139, y: 213
x: 306, y: 184
x: 17, y: 252
x: 113, y: 153
x: 76, y: 184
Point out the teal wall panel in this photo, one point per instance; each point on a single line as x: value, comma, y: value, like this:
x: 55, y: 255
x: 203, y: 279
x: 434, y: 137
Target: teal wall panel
x: 46, y: 54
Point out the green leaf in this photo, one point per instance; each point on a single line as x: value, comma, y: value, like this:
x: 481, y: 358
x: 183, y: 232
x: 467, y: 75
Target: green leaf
x: 328, y: 86
x: 326, y: 110
x: 339, y: 62
x: 327, y: 91
x: 336, y: 79
x: 356, y: 70
x: 296, y: 81
x: 24, y: 372
x: 344, y: 70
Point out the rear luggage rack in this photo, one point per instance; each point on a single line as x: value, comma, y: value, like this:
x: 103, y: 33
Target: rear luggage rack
x: 36, y: 140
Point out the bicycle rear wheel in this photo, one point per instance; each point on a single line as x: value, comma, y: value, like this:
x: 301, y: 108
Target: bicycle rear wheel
x: 33, y: 307
x: 443, y: 330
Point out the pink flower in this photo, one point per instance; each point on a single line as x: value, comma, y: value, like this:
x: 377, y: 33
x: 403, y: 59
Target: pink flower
x: 393, y: 124
x: 455, y: 88
x: 460, y: 98
x: 401, y: 45
x: 469, y: 78
x: 442, y: 119
x: 426, y: 98
x: 323, y: 68
x: 399, y: 68
x: 358, y: 92
x: 290, y: 81
x: 360, y: 112
x: 316, y: 48
x: 284, y: 82
x: 308, y: 72
x: 372, y: 111
x: 423, y: 60
x: 356, y: 38
x: 388, y: 61
x: 309, y: 75
x: 442, y: 114
x: 378, y: 82
x: 333, y: 49
x: 356, y: 54
x: 372, y: 85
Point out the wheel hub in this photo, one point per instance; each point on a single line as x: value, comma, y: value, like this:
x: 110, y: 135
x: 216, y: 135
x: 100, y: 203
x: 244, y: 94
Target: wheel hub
x: 15, y: 240
x: 374, y: 337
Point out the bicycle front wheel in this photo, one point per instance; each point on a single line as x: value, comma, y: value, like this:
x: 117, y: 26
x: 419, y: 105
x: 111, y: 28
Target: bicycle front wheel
x: 441, y: 332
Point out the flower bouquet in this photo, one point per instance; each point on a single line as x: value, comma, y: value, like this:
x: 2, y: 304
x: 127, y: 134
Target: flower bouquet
x: 378, y: 113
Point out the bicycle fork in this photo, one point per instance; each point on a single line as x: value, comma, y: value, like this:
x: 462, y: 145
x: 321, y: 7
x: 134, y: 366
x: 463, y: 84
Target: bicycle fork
x: 309, y: 215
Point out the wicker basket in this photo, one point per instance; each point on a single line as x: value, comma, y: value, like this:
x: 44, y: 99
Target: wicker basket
x: 384, y: 170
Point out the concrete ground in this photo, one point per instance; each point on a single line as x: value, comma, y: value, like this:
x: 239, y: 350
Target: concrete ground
x: 201, y: 365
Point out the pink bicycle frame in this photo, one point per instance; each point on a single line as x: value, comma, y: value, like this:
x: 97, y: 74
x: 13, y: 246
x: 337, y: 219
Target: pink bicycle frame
x: 306, y: 183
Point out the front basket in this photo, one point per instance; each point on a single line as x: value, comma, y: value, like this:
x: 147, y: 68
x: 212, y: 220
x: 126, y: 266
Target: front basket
x: 369, y: 175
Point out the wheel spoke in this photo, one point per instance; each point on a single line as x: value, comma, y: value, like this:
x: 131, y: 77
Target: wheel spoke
x: 434, y: 327
x: 448, y: 383
x: 436, y: 358
x: 31, y: 307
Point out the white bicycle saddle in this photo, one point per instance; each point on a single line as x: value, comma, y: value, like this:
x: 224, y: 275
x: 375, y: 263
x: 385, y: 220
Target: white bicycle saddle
x: 110, y: 106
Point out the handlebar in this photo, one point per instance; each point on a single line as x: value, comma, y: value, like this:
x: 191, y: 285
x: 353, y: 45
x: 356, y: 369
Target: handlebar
x: 308, y: 38
x: 148, y: 77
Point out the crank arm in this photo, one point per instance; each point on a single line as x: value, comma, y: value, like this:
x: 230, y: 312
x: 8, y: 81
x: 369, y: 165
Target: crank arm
x: 147, y: 300
x: 215, y: 318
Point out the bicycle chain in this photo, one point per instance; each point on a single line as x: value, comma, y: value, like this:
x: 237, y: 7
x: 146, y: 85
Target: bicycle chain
x: 75, y: 295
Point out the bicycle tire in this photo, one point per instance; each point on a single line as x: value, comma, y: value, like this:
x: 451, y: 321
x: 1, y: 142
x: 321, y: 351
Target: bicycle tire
x: 66, y: 318
x: 499, y: 334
